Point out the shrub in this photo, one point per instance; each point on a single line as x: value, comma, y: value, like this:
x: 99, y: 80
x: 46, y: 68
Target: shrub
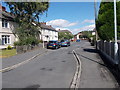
x: 31, y: 41
x: 40, y: 41
x: 17, y: 43
x: 9, y: 47
x: 27, y: 41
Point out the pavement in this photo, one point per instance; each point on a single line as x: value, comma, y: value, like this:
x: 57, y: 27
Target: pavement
x: 95, y: 73
x: 7, y: 62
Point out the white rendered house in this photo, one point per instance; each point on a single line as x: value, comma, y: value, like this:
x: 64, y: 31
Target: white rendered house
x: 48, y: 32
x: 7, y: 25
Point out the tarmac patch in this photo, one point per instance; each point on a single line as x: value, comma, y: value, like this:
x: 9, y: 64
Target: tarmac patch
x: 32, y: 87
x: 63, y: 61
x: 47, y: 69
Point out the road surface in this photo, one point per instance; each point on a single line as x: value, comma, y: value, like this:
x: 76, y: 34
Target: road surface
x: 56, y: 69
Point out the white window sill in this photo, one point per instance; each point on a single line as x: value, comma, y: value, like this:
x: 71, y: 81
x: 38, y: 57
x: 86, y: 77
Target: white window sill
x: 5, y: 27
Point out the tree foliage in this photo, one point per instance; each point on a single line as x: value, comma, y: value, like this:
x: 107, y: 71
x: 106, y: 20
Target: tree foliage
x: 105, y: 22
x: 65, y: 35
x: 86, y: 34
x: 27, y: 15
x: 27, y: 11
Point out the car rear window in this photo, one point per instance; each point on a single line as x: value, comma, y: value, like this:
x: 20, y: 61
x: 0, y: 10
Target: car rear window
x: 62, y: 40
x: 52, y: 41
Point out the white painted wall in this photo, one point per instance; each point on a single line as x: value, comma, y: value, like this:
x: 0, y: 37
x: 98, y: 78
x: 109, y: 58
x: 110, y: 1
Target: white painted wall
x: 52, y: 35
x: 8, y: 31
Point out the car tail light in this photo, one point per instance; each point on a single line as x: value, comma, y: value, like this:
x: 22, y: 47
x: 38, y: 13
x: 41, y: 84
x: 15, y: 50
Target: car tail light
x: 54, y: 44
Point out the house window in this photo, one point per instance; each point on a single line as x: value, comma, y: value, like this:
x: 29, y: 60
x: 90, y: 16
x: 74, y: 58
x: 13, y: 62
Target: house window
x: 4, y: 23
x: 5, y: 39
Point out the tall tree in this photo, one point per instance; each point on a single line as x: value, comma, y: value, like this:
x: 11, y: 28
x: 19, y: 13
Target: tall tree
x: 105, y: 22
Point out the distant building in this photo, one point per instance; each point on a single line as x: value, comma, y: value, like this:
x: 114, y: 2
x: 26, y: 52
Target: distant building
x: 77, y: 36
x: 7, y: 25
x: 48, y: 32
x: 94, y: 31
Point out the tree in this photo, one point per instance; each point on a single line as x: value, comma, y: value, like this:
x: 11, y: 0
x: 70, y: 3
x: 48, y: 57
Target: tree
x: 27, y: 11
x: 86, y: 34
x: 27, y: 16
x: 105, y: 22
x: 65, y: 35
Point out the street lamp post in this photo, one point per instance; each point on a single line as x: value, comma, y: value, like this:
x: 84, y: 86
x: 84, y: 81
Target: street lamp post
x: 115, y: 27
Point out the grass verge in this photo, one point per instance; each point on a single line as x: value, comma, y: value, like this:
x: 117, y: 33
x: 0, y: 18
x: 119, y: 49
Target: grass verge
x: 7, y: 53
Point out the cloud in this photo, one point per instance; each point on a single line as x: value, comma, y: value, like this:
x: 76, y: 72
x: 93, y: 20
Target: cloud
x: 85, y: 28
x: 61, y: 23
x: 62, y: 28
x: 88, y: 21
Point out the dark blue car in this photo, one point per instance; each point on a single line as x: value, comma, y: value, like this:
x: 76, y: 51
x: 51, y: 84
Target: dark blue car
x: 78, y: 40
x: 53, y: 45
x: 65, y: 43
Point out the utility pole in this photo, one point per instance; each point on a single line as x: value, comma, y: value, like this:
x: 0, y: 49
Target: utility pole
x: 115, y: 27
x: 95, y: 10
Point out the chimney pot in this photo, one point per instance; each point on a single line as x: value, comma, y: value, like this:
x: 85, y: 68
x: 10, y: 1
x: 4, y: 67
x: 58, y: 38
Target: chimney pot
x: 2, y: 8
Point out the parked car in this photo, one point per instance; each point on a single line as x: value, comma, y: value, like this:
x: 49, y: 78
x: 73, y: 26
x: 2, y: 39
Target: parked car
x: 65, y: 43
x: 59, y: 44
x: 53, y: 45
x: 78, y: 40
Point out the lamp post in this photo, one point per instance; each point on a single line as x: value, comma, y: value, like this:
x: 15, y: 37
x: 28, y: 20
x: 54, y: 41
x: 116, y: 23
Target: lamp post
x: 115, y: 27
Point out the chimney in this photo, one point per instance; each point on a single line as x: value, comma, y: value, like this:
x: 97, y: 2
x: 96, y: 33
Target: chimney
x: 2, y: 8
x: 44, y: 23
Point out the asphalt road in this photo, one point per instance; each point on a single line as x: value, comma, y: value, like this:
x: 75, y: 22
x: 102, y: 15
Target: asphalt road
x: 56, y: 68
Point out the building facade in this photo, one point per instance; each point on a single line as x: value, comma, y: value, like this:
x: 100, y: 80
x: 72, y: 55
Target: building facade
x: 48, y: 33
x: 77, y: 36
x: 7, y: 26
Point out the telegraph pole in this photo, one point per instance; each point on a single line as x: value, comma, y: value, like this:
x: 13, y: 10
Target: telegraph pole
x: 95, y: 10
x: 115, y: 27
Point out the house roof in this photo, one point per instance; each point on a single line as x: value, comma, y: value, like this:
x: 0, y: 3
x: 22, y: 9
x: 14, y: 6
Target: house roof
x: 49, y: 27
x: 78, y: 33
x: 6, y: 15
x: 64, y: 31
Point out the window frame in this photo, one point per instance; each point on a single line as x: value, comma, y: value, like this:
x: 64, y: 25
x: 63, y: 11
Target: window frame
x: 6, y: 39
x: 5, y: 23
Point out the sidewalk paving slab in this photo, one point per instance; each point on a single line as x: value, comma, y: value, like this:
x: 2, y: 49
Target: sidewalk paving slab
x: 6, y: 62
x: 94, y: 74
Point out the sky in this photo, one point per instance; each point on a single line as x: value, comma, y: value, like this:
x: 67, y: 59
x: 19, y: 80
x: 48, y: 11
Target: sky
x: 73, y: 16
